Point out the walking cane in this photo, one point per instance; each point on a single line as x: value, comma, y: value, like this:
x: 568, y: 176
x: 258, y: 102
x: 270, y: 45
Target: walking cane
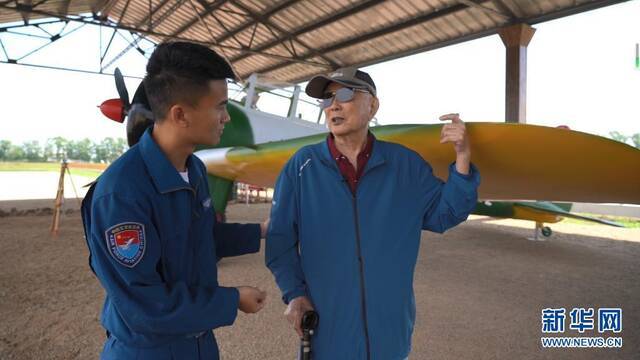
x: 310, y: 321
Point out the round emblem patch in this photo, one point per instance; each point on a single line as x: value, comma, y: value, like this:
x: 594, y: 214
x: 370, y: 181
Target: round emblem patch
x: 126, y: 243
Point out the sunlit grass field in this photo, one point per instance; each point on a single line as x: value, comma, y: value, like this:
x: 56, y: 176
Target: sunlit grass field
x: 78, y: 169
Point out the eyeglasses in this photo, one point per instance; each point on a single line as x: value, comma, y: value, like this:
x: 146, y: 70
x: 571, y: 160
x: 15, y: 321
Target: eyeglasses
x: 342, y: 95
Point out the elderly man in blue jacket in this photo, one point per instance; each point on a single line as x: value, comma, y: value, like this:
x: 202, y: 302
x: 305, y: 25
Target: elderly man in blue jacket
x: 346, y: 222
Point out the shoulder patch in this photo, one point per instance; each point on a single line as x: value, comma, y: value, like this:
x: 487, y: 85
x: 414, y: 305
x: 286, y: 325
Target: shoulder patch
x: 126, y: 243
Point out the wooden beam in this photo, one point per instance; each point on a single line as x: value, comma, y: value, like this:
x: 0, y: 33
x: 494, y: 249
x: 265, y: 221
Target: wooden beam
x: 207, y: 10
x: 330, y: 19
x: 286, y: 34
x: 393, y: 27
x: 486, y: 9
x: 102, y: 7
x: 285, y: 4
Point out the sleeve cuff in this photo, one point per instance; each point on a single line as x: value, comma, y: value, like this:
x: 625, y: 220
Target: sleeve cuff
x: 229, y: 316
x: 294, y: 294
x: 466, y: 187
x: 473, y: 176
x: 254, y: 244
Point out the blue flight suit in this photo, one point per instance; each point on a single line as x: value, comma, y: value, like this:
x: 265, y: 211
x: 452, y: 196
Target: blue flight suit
x: 154, y: 243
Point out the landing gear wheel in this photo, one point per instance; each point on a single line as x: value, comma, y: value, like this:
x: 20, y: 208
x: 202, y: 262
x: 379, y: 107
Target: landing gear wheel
x: 546, y: 231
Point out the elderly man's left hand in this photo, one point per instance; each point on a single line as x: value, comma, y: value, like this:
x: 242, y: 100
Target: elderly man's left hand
x: 456, y: 133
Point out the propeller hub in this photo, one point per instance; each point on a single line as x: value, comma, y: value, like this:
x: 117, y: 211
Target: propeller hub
x: 113, y: 109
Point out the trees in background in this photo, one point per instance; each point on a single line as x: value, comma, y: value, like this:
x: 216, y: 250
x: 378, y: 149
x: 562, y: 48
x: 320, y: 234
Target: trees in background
x: 629, y: 140
x: 59, y: 148
x: 5, y: 147
x: 108, y: 149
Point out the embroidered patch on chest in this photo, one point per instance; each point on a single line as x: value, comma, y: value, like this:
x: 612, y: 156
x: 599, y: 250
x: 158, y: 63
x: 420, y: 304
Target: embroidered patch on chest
x: 126, y: 243
x: 206, y: 203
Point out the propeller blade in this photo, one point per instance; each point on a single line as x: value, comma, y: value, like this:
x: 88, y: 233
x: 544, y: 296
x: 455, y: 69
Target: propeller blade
x: 122, y: 89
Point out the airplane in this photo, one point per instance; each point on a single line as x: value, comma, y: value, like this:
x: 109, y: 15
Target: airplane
x: 517, y: 161
x: 538, y: 211
x: 126, y: 244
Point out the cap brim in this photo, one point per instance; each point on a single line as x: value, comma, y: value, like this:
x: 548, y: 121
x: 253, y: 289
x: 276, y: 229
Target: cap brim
x: 316, y: 86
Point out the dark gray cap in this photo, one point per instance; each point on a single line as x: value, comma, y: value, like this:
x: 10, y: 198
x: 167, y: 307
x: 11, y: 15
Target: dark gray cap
x: 349, y: 77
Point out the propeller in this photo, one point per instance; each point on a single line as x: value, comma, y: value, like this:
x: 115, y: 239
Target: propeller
x: 138, y: 113
x: 117, y: 109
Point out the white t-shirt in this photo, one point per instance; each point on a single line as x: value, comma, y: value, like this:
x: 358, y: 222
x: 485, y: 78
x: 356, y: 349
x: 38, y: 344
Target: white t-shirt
x: 185, y: 175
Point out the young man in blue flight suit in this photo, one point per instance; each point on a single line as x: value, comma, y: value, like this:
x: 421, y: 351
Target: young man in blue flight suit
x: 150, y: 223
x: 346, y: 222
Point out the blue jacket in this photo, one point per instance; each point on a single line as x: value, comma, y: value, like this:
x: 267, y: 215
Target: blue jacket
x: 354, y: 255
x: 154, y: 243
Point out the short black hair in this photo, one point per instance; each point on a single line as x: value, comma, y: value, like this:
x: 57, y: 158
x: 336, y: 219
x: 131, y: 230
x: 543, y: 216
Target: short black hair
x: 180, y: 71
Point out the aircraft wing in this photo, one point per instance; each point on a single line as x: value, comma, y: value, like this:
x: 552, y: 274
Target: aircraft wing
x: 549, y: 208
x: 516, y: 161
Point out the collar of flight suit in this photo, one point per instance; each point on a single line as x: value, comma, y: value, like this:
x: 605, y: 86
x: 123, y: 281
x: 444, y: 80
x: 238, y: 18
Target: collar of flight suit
x: 165, y: 176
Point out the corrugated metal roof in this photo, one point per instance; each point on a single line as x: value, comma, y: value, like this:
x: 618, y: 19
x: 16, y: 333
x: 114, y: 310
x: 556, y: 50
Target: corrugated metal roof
x: 291, y: 40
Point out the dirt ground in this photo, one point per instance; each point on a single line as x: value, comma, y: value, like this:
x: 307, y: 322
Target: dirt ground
x: 479, y: 289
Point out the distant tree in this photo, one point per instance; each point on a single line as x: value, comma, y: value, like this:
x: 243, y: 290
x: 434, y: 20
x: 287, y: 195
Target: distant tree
x: 48, y: 153
x: 636, y: 140
x: 119, y: 147
x: 101, y: 151
x: 5, y: 146
x: 32, y: 151
x: 618, y: 136
x: 109, y: 149
x: 57, y: 148
x: 80, y: 150
x: 15, y: 153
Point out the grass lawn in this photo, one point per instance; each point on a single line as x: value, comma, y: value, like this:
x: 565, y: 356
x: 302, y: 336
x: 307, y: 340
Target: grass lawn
x: 52, y: 167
